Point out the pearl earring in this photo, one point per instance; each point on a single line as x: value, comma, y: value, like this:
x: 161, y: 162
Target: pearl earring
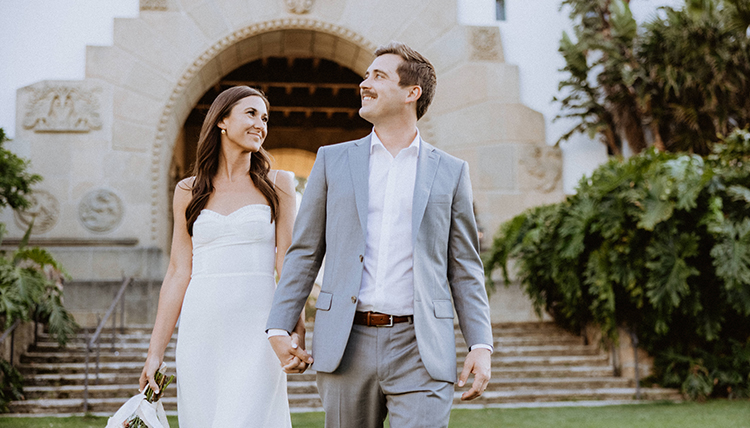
x: 224, y: 131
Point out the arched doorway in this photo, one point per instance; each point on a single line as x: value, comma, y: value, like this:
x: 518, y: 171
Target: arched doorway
x: 314, y: 102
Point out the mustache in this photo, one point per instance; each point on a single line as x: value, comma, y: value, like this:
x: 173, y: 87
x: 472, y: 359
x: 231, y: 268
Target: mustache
x: 367, y: 94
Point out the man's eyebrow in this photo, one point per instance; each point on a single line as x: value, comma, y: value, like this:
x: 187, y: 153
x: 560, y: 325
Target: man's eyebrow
x: 377, y: 70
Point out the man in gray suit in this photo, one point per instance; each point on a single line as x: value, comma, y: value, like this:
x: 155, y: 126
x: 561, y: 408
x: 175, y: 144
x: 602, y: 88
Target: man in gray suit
x: 394, y: 215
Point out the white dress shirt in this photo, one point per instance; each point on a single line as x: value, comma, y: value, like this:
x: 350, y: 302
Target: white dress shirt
x: 388, y: 277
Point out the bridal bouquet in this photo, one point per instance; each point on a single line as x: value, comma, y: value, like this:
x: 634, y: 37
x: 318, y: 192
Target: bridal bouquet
x: 144, y: 410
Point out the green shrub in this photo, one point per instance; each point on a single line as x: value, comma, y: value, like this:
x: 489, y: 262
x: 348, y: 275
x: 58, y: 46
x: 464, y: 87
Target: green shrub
x: 658, y: 245
x: 31, y: 280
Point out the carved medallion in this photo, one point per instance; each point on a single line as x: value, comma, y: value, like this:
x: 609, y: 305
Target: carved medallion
x: 543, y: 164
x: 44, y: 211
x: 485, y: 42
x: 100, y: 210
x: 62, y: 108
x: 153, y: 4
x: 298, y: 6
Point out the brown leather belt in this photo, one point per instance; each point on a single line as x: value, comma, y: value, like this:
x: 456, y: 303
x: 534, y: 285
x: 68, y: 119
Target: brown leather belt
x: 375, y: 319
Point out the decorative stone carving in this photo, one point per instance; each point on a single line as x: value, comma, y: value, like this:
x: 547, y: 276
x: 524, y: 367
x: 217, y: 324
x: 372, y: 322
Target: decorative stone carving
x: 153, y: 4
x: 485, y: 43
x: 298, y: 6
x: 44, y: 211
x: 544, y: 167
x: 100, y: 210
x: 62, y: 107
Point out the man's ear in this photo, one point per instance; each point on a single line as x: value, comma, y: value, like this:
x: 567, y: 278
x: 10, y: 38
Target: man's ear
x: 414, y: 93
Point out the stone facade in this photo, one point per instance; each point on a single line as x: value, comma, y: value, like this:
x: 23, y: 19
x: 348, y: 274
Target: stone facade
x: 105, y: 145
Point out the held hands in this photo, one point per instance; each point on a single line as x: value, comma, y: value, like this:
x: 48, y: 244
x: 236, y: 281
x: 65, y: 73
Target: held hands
x: 290, y: 351
x: 478, y: 363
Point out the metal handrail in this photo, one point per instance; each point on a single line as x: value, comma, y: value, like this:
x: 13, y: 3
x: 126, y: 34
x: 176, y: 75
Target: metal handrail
x: 12, y: 333
x: 9, y: 331
x: 90, y: 343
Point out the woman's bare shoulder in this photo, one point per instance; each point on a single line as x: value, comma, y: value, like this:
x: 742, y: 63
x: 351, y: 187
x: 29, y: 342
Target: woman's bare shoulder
x: 186, y: 184
x: 283, y: 179
x: 183, y: 191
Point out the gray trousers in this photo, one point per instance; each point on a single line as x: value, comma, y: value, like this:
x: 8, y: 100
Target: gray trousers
x: 381, y: 373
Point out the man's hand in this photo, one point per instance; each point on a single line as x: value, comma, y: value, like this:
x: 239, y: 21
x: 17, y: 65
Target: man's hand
x: 293, y: 357
x: 478, y: 363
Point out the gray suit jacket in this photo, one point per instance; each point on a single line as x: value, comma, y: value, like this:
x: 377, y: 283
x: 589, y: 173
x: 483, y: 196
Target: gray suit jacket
x: 447, y: 269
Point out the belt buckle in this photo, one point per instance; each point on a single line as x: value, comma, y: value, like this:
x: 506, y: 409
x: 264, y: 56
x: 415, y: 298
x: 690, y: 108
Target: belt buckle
x: 390, y: 322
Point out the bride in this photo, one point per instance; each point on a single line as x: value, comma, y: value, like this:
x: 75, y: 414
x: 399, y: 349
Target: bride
x: 232, y: 226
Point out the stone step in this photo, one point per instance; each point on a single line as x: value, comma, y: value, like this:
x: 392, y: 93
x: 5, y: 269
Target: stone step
x: 69, y: 368
x: 130, y: 375
x: 119, y: 364
x: 312, y: 400
x: 517, y: 345
x: 532, y: 371
x: 116, y: 377
x: 546, y: 350
x: 492, y: 397
x: 547, y: 360
x: 105, y: 346
x: 534, y: 340
x: 139, y: 354
x: 80, y: 357
x: 75, y: 405
x: 125, y: 390
x: 130, y: 335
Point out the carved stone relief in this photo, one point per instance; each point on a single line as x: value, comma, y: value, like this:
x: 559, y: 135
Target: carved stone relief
x: 485, y: 42
x: 44, y: 211
x: 153, y: 4
x: 62, y: 108
x: 543, y: 164
x: 101, y: 210
x: 298, y: 6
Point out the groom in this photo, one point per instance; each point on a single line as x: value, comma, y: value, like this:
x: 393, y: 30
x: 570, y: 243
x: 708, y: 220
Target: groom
x: 394, y: 216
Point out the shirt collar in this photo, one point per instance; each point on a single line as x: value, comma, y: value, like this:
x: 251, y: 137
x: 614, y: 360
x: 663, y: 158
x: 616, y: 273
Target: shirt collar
x: 375, y: 141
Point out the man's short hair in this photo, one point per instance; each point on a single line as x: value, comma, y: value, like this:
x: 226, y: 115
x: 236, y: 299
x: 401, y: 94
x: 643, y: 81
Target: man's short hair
x: 416, y: 70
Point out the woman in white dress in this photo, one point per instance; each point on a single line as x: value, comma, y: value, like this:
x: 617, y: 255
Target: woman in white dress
x: 232, y: 226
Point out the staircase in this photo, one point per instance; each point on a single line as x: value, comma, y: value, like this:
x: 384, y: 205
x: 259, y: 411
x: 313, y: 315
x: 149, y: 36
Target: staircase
x: 533, y: 363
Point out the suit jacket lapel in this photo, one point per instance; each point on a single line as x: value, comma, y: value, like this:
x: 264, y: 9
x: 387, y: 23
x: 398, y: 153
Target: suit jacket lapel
x: 427, y: 164
x: 359, y: 165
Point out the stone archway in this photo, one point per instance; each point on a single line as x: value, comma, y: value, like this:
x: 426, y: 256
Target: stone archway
x: 314, y: 102
x: 303, y: 38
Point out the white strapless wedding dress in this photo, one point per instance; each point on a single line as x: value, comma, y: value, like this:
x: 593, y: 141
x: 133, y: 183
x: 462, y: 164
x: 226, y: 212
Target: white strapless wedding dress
x: 227, y: 373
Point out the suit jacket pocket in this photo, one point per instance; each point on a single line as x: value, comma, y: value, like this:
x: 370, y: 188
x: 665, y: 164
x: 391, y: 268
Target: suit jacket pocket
x: 443, y: 308
x: 440, y: 199
x: 324, y: 301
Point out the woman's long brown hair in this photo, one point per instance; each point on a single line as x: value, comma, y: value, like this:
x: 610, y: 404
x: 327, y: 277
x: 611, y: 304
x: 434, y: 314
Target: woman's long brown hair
x: 209, y: 148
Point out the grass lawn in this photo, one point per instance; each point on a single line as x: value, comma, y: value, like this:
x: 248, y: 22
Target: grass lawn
x: 719, y: 414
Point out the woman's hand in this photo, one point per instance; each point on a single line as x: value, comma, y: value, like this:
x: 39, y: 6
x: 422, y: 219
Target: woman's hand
x: 297, y: 365
x: 147, y: 375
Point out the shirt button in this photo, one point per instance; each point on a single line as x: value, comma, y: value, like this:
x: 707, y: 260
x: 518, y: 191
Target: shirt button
x: 361, y: 258
x: 354, y: 299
